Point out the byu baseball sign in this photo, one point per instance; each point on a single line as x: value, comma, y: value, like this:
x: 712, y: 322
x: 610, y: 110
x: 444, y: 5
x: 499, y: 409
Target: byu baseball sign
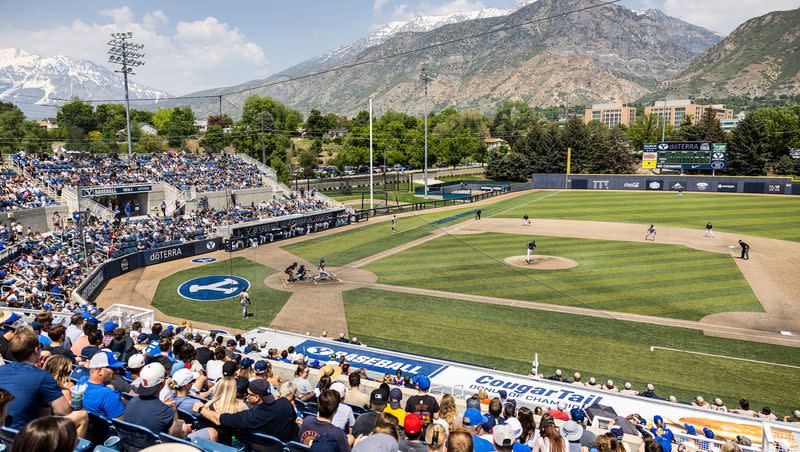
x: 209, y: 288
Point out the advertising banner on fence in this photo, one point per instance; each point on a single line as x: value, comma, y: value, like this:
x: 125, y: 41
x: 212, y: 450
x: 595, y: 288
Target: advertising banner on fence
x: 550, y: 393
x: 727, y: 187
x: 89, y: 192
x: 370, y: 359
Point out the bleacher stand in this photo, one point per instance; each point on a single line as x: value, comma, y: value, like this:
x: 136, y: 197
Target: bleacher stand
x: 202, y: 172
x: 17, y: 192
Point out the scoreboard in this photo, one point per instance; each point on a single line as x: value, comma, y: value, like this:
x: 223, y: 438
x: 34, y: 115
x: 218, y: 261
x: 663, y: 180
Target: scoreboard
x: 693, y: 155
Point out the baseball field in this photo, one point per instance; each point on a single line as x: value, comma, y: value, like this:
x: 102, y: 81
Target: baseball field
x: 441, y: 286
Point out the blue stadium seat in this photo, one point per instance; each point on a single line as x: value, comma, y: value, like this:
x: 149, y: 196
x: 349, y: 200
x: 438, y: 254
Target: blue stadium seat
x: 264, y: 443
x: 174, y: 439
x: 99, y: 429
x: 134, y: 438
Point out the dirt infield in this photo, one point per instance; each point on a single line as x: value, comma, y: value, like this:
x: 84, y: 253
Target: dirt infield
x: 541, y: 262
x: 771, y: 272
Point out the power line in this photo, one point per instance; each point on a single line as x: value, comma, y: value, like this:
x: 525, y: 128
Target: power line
x: 287, y: 79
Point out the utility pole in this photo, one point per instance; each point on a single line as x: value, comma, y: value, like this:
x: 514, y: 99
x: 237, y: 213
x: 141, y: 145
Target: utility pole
x: 664, y: 113
x: 126, y: 54
x: 427, y: 76
x: 371, y: 206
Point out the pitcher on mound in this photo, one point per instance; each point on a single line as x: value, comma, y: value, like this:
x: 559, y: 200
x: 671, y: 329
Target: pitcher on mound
x: 531, y: 249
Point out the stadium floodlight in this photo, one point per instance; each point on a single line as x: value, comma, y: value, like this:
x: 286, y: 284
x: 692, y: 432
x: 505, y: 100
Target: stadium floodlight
x: 427, y: 75
x: 121, y: 52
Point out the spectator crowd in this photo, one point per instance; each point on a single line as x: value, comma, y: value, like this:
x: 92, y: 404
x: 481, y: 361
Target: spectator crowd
x: 202, y: 172
x: 171, y: 383
x: 18, y: 192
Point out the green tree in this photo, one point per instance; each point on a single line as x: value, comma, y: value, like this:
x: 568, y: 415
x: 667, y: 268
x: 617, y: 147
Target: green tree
x: 77, y: 119
x: 96, y: 143
x: 308, y: 160
x: 281, y: 170
x: 748, y: 154
x: 782, y: 128
x: 506, y: 165
x: 315, y: 122
x: 214, y: 139
x: 110, y: 118
x: 510, y: 120
x: 180, y: 126
x: 645, y: 130
x: 149, y: 144
x: 12, y: 130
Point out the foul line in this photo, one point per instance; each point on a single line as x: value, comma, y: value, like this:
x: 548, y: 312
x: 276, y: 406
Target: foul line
x: 654, y: 347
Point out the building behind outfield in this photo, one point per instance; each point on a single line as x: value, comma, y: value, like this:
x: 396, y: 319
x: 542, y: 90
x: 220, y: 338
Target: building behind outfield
x: 610, y: 114
x: 675, y: 111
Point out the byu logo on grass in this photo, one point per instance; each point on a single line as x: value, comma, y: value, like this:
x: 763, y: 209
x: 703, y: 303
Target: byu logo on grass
x: 204, y: 260
x: 217, y: 287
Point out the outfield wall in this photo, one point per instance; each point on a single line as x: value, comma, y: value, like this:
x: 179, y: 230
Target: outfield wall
x: 668, y: 182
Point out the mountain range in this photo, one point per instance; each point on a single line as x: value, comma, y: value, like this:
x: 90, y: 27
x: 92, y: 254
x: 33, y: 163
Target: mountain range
x: 535, y: 52
x: 34, y: 83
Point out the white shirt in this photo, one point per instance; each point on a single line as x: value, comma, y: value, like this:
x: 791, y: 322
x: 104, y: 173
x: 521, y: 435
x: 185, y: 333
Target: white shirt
x: 214, y: 369
x: 73, y: 332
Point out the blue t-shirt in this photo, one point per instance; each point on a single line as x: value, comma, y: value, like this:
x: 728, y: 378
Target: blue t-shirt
x: 151, y: 413
x: 519, y: 447
x: 481, y: 445
x: 102, y: 400
x: 32, y: 387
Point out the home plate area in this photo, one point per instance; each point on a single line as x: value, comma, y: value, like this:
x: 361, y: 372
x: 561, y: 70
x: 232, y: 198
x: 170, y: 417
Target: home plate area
x: 542, y: 262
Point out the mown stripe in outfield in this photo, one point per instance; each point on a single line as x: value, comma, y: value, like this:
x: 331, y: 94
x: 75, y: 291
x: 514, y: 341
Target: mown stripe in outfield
x: 642, y: 278
x: 507, y: 338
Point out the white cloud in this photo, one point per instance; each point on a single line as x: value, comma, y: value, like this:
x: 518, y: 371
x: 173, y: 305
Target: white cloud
x: 723, y: 15
x: 377, y: 6
x: 190, y: 56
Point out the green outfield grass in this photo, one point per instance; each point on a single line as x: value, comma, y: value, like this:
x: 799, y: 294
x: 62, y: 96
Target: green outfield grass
x: 641, y: 278
x: 768, y: 216
x: 349, y: 246
x: 506, y: 338
x: 266, y: 302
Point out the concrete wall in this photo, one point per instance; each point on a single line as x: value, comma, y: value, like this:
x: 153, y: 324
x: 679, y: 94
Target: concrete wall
x: 221, y: 199
x: 39, y: 219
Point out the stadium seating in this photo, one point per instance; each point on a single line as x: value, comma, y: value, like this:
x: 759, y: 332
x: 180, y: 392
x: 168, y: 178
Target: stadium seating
x: 202, y: 172
x: 17, y: 192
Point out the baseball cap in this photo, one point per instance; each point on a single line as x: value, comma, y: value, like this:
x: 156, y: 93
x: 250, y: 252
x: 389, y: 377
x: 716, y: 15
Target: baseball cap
x: 109, y: 326
x: 690, y: 429
x: 260, y: 367
x: 472, y: 417
x: 36, y: 325
x: 207, y: 341
x: 502, y: 393
x: 577, y: 414
x: 617, y: 432
x: 231, y: 343
x: 488, y: 422
x: 151, y: 377
x: 422, y: 381
x: 184, y: 376
x: 246, y: 363
x: 378, y: 397
x: 339, y: 387
x: 708, y: 433
x: 142, y: 337
x: 136, y: 361
x: 261, y: 388
x: 104, y: 359
x: 412, y: 424
x: 229, y: 369
x: 516, y: 426
x: 503, y: 435
x: 395, y: 397
x: 571, y: 430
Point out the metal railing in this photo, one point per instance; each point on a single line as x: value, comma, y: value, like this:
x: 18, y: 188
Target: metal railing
x: 422, y: 205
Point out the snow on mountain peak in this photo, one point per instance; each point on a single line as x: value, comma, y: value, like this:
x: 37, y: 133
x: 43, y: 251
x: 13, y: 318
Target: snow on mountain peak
x: 32, y: 80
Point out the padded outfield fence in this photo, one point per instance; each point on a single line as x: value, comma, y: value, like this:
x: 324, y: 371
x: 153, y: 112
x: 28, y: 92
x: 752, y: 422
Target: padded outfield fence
x: 362, y: 215
x: 668, y: 182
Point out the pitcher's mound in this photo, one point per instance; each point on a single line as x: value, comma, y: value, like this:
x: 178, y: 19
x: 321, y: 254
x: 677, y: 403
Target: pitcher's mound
x: 542, y: 262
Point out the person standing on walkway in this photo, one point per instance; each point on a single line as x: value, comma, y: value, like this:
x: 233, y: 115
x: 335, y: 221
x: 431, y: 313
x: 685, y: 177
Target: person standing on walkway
x: 709, y: 230
x: 394, y: 223
x: 244, y: 300
x: 745, y: 250
x: 531, y: 249
x: 651, y: 233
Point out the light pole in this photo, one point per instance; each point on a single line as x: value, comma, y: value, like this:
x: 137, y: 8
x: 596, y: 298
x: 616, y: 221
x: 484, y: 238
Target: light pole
x: 664, y: 113
x: 427, y: 76
x: 371, y: 206
x: 126, y: 53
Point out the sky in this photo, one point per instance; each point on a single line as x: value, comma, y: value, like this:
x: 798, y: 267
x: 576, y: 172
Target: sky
x: 200, y: 44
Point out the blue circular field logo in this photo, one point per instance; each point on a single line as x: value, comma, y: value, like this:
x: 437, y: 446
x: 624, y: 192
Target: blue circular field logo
x: 204, y: 260
x: 216, y: 287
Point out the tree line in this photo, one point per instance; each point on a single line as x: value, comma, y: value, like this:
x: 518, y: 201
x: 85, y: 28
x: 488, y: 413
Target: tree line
x: 757, y: 146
